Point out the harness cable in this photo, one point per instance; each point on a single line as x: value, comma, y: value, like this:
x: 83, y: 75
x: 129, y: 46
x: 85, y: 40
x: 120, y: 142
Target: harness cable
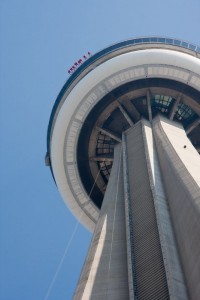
x: 68, y: 244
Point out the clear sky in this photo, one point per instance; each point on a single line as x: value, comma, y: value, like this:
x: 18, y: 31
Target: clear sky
x: 39, y: 41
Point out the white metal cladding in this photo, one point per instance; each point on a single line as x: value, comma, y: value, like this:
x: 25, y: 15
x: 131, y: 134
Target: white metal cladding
x: 87, y: 93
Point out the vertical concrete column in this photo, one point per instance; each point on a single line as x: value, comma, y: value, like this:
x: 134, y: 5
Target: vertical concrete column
x: 149, y: 278
x: 129, y: 224
x: 104, y: 274
x: 180, y: 166
x: 174, y: 272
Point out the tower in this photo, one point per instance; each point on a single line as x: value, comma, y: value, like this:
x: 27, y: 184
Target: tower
x: 123, y: 146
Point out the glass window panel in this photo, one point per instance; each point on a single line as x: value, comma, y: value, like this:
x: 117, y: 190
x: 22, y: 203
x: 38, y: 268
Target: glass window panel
x: 162, y: 40
x: 177, y: 42
x: 146, y: 40
x: 184, y: 112
x: 184, y: 44
x: 169, y: 41
x: 161, y: 103
x: 192, y: 47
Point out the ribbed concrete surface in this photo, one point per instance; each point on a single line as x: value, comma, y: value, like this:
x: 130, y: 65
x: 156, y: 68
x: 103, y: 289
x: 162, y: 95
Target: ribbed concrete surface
x: 150, y: 278
x: 174, y: 272
x: 104, y: 275
x: 146, y: 242
x: 180, y: 165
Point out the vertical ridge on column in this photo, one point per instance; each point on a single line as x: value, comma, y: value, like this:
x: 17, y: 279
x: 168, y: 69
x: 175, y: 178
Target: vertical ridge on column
x: 173, y: 269
x: 149, y: 267
x: 104, y: 274
x: 129, y: 226
x: 180, y: 166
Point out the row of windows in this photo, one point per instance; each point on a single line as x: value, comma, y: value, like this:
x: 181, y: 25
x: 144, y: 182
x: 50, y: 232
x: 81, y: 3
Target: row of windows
x: 105, y: 145
x: 167, y: 41
x: 164, y: 104
x: 184, y: 112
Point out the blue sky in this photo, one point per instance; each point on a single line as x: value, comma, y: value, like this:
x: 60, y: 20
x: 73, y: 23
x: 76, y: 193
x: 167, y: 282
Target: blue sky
x: 40, y: 41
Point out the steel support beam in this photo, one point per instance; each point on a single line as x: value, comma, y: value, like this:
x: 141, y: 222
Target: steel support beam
x: 174, y: 108
x: 112, y: 135
x: 130, y: 107
x: 126, y: 115
x: 149, y: 106
x: 102, y: 157
x: 192, y: 126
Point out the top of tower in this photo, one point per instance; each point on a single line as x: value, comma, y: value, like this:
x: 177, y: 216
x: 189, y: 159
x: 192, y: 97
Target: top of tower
x: 107, y: 94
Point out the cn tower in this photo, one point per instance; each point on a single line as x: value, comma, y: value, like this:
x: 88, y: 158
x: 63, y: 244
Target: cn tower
x: 123, y: 146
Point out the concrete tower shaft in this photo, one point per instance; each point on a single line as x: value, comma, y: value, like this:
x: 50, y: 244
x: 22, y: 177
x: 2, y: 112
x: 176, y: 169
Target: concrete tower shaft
x: 123, y: 146
x: 160, y: 217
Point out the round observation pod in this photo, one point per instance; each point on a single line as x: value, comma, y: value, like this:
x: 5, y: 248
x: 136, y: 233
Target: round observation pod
x: 107, y: 94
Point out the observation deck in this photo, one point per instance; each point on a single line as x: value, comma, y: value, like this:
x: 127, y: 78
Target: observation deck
x: 109, y: 93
